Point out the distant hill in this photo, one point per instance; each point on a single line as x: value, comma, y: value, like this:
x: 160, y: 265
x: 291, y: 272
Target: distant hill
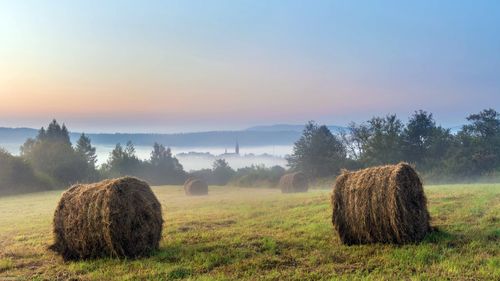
x: 16, y: 135
x: 281, y: 134
x: 288, y: 127
x: 213, y: 138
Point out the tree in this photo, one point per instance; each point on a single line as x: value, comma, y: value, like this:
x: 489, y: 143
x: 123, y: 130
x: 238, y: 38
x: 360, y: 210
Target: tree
x: 356, y: 139
x: 28, y: 146
x: 55, y: 133
x: 318, y: 153
x: 484, y: 125
x: 86, y: 150
x: 423, y: 142
x: 123, y: 161
x: 18, y: 176
x: 382, y: 144
x: 222, y: 173
x: 477, y: 146
x: 417, y: 136
x: 130, y: 149
x: 51, y: 154
x: 163, y: 168
x: 159, y: 154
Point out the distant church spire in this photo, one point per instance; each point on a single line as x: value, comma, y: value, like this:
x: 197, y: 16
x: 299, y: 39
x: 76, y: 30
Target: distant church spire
x: 237, y: 148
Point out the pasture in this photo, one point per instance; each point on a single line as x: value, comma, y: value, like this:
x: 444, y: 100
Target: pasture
x: 261, y: 234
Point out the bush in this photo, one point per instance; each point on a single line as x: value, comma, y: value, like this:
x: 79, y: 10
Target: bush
x: 222, y: 173
x: 18, y: 176
x: 258, y: 176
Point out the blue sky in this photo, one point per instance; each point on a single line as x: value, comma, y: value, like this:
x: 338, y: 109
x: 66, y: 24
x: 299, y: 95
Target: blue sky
x: 195, y: 65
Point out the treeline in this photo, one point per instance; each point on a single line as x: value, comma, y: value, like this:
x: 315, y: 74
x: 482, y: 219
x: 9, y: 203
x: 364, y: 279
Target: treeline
x: 439, y: 155
x: 253, y: 176
x: 51, y: 161
x: 161, y: 168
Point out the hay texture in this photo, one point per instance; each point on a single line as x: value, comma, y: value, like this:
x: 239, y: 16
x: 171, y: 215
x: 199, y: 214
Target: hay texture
x: 383, y: 204
x: 294, y: 182
x: 195, y: 187
x: 112, y: 218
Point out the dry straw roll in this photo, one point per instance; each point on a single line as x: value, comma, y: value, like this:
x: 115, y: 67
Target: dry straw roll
x: 194, y: 187
x: 294, y: 182
x: 383, y: 204
x: 112, y: 218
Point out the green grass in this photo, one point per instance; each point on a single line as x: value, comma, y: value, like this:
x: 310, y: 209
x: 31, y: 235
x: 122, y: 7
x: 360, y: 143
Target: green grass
x: 261, y: 234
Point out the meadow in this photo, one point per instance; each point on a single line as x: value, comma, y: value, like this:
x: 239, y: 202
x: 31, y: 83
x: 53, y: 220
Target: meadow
x: 261, y: 234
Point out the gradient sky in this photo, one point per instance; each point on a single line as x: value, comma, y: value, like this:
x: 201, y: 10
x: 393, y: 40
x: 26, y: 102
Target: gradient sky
x: 164, y: 66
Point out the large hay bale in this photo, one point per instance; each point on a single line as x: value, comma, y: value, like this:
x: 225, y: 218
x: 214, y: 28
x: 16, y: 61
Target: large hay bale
x: 194, y: 187
x: 383, y: 204
x: 113, y: 218
x: 294, y: 182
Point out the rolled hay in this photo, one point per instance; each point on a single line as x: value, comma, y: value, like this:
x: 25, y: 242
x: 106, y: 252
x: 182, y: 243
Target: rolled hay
x: 188, y: 180
x: 294, y: 182
x: 112, y: 218
x: 383, y: 204
x: 194, y: 187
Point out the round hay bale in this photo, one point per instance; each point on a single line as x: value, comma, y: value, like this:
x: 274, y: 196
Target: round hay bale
x: 188, y: 180
x: 112, y: 218
x: 383, y: 204
x: 294, y: 182
x: 194, y: 187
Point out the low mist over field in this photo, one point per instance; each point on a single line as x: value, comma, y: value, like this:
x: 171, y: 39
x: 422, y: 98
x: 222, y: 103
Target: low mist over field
x: 195, y: 158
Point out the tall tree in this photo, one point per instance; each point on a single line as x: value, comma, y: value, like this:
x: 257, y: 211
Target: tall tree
x: 159, y: 154
x: 130, y: 149
x: 383, y: 145
x: 222, y: 172
x: 123, y: 161
x: 356, y: 139
x: 477, y: 146
x: 423, y: 142
x: 163, y: 167
x: 51, y: 153
x: 18, y: 176
x: 485, y: 125
x: 55, y: 133
x: 86, y: 150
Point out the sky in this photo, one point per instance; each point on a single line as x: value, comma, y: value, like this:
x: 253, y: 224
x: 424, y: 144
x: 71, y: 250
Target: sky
x: 174, y: 66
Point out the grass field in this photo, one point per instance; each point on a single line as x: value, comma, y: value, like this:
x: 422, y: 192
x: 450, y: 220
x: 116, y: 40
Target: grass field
x: 260, y: 234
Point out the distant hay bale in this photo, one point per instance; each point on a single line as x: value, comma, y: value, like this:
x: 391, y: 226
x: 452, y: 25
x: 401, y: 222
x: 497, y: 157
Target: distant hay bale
x: 194, y: 187
x: 188, y: 180
x: 294, y: 182
x: 383, y: 204
x: 112, y: 218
